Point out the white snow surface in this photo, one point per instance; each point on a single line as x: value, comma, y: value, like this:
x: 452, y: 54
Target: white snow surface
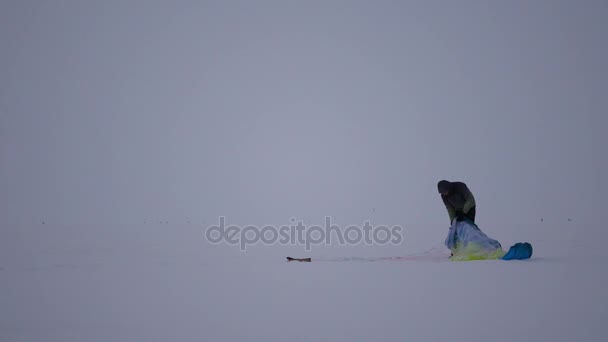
x: 166, y: 283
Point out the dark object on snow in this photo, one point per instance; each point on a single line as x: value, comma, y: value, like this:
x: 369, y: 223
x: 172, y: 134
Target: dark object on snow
x: 299, y: 259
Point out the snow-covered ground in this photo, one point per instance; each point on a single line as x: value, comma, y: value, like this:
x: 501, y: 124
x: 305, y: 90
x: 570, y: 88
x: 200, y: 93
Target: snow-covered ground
x: 258, y: 110
x: 166, y: 283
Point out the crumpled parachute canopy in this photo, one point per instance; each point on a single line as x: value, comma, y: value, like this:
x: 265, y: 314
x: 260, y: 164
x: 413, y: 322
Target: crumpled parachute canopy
x: 468, y: 242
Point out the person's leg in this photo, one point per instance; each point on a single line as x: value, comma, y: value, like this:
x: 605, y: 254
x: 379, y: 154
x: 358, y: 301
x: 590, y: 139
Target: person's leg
x: 471, y: 214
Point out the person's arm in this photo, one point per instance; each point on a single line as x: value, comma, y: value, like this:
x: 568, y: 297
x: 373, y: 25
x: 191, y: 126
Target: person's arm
x: 469, y: 200
x: 449, y: 208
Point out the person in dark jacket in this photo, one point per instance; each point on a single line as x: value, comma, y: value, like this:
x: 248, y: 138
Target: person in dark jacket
x: 458, y: 200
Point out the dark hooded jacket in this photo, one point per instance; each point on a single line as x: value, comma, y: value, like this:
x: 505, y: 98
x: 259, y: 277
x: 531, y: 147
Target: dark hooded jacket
x: 459, y: 198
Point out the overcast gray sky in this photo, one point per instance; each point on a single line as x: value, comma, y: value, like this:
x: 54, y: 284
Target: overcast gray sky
x: 116, y: 111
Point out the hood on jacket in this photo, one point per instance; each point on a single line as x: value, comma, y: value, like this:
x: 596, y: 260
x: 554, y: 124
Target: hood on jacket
x: 444, y: 186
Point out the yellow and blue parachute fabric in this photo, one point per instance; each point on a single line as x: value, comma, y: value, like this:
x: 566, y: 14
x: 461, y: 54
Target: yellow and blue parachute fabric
x: 467, y: 242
